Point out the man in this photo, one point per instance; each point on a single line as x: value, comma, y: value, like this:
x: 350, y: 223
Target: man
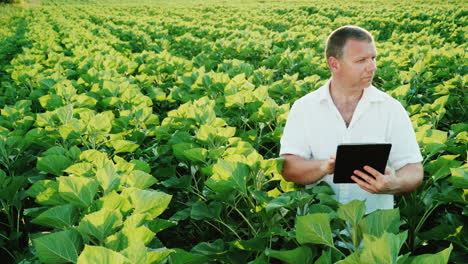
x: 348, y: 109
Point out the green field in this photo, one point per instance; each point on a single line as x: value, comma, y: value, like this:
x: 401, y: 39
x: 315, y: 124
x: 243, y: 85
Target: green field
x: 148, y: 132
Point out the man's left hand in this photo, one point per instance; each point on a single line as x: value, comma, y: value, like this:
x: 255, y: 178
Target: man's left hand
x: 379, y: 183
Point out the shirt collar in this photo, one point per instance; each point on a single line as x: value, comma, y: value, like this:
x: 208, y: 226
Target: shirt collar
x: 371, y: 93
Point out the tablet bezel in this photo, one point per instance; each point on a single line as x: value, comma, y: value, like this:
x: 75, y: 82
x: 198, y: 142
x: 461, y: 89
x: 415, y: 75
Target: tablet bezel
x: 354, y: 156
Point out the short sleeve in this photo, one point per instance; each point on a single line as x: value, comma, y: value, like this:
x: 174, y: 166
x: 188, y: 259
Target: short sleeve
x: 405, y: 148
x: 293, y: 140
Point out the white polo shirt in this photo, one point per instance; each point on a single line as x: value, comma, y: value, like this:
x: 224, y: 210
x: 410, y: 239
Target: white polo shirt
x: 315, y: 128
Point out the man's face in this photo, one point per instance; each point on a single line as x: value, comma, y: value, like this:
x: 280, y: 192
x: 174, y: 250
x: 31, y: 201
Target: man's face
x: 358, y: 63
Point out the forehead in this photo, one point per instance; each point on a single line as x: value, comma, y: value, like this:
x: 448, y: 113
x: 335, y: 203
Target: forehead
x: 356, y: 48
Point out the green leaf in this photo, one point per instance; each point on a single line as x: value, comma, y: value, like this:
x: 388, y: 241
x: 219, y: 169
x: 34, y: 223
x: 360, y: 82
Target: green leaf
x: 156, y: 256
x: 150, y: 202
x: 141, y: 165
x: 440, y: 168
x: 100, y: 224
x: 315, y: 229
x: 381, y: 221
x: 59, y: 217
x: 439, y: 258
x: 459, y: 177
x: 108, y: 177
x: 123, y: 146
x: 136, y: 253
x: 128, y: 236
x: 101, y: 255
x: 82, y: 169
x: 114, y: 201
x: 443, y: 232
x: 53, y: 164
x: 158, y: 225
x: 352, y: 212
x: 382, y: 249
x: 196, y: 154
x: 354, y: 258
x: 77, y: 190
x: 46, y: 193
x: 207, y: 249
x: 278, y: 202
x: 59, y: 247
x: 101, y: 124
x: 140, y: 179
x: 228, y: 176
x: 201, y: 210
x: 254, y: 244
x: 50, y: 102
x: 181, y: 256
x: 295, y: 256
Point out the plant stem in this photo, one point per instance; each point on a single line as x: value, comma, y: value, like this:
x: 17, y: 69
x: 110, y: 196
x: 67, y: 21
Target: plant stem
x: 230, y: 228
x: 246, y: 220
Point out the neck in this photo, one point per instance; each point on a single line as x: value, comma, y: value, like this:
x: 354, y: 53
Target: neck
x: 343, y: 93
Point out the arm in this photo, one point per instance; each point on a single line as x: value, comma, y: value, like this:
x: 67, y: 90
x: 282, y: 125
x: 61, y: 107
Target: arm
x: 299, y: 170
x: 406, y: 179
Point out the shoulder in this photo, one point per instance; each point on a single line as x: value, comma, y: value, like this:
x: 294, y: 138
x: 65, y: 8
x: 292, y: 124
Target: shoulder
x: 387, y: 100
x: 311, y: 99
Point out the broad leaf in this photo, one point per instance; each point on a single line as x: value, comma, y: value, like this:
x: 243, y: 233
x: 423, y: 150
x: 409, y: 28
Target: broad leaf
x: 101, y: 255
x: 295, y: 256
x: 352, y: 212
x: 53, y: 164
x: 228, y: 176
x: 439, y: 258
x: 136, y: 253
x: 380, y: 221
x: 77, y: 190
x: 181, y: 256
x: 114, y: 201
x: 100, y: 224
x: 440, y: 168
x: 196, y: 154
x: 59, y: 217
x: 207, y: 249
x: 140, y: 179
x: 156, y: 256
x: 150, y: 202
x: 108, y: 178
x: 128, y: 236
x: 158, y: 225
x: 60, y: 247
x: 314, y: 228
x: 384, y: 249
x: 254, y: 244
x: 201, y: 210
x: 459, y: 177
x: 123, y: 146
x: 46, y: 193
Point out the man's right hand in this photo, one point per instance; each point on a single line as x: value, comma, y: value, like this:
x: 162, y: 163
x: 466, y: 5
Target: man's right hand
x: 304, y: 171
x: 328, y: 166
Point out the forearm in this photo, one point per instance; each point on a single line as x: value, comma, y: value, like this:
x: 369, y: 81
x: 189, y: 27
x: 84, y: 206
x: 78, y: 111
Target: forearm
x: 299, y: 170
x: 409, y: 177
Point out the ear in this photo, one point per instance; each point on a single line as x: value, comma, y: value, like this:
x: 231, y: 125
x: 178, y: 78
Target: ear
x: 333, y: 64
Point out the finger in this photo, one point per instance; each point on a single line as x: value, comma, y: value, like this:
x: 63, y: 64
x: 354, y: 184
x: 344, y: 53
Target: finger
x: 364, y: 185
x: 372, y: 171
x: 364, y: 176
x: 389, y: 171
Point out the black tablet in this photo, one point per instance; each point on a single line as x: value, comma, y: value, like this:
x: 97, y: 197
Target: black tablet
x: 350, y: 157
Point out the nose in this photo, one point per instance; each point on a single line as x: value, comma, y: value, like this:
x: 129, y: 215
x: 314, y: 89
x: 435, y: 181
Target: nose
x: 372, y: 66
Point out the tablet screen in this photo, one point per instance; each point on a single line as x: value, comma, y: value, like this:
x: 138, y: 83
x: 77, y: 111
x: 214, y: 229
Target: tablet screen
x: 350, y: 157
